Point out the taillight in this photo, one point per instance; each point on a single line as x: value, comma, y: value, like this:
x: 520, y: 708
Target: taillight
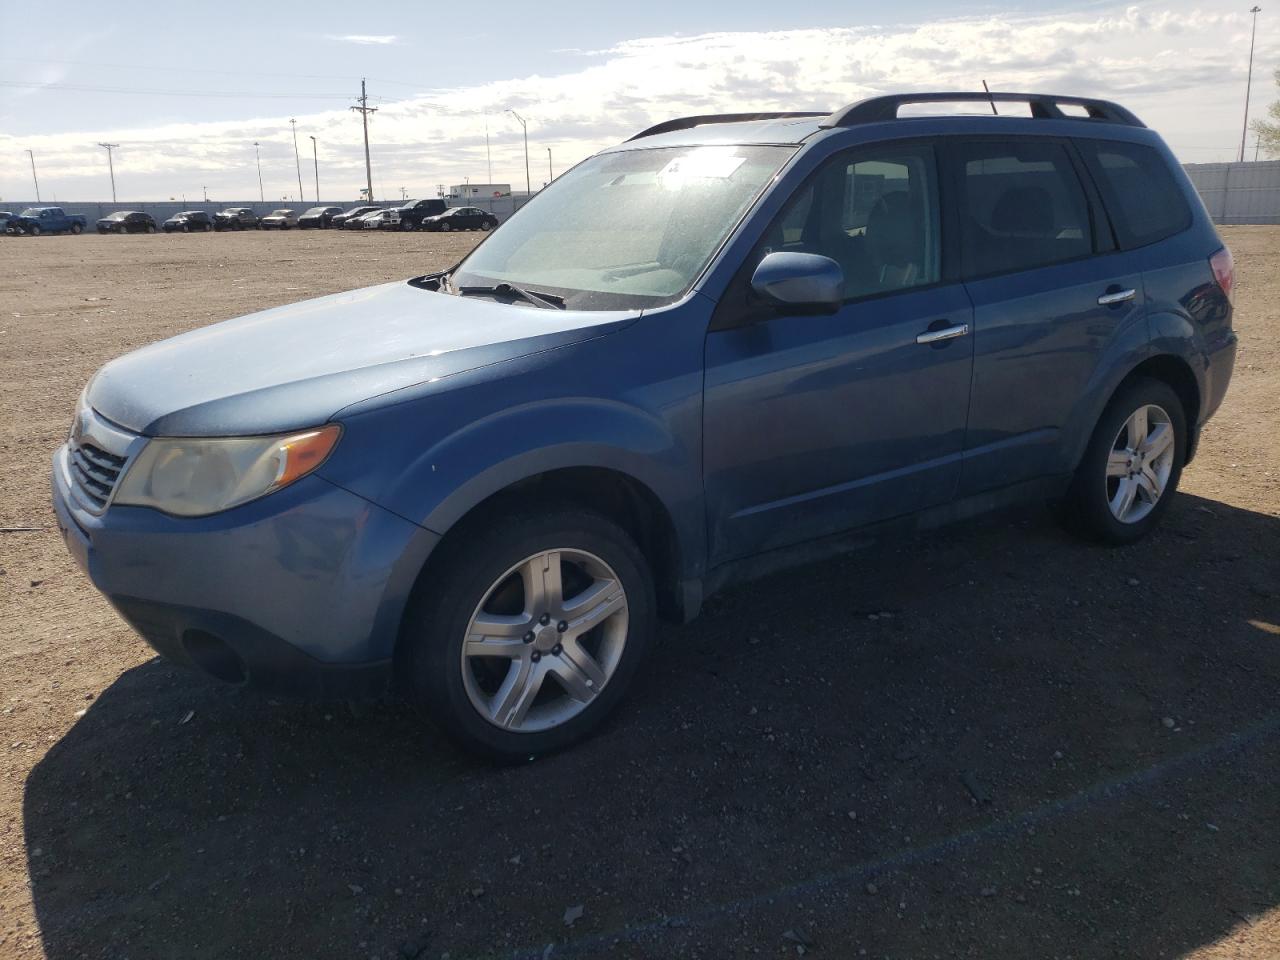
x: 1224, y: 270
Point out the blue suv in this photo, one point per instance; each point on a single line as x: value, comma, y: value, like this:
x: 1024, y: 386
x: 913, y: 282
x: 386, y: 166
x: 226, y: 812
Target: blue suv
x: 710, y: 351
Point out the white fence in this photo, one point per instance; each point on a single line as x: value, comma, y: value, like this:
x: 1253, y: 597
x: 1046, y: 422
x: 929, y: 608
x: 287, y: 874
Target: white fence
x: 1239, y: 192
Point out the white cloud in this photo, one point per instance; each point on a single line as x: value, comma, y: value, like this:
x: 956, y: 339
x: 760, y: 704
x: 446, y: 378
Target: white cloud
x: 1179, y: 68
x: 366, y: 39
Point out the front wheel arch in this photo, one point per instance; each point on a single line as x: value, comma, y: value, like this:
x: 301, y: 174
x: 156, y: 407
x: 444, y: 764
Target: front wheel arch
x: 612, y: 494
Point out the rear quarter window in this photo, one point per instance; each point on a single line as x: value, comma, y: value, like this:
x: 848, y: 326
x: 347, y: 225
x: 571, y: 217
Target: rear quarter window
x: 1143, y: 199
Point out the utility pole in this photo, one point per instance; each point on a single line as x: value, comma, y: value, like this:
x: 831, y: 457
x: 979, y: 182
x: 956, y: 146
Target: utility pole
x: 257, y: 156
x: 297, y: 161
x: 33, y: 174
x: 206, y: 194
x: 1248, y: 85
x: 364, y: 110
x: 528, y: 181
x: 315, y: 158
x: 488, y: 158
x: 550, y: 176
x: 111, y: 167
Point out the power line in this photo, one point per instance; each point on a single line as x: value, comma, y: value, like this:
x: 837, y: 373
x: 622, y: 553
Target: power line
x: 147, y: 67
x: 89, y: 88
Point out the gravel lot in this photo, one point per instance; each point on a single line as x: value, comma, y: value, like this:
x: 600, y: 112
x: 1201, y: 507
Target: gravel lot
x: 995, y: 742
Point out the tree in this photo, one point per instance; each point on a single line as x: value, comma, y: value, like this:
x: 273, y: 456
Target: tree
x: 1268, y: 132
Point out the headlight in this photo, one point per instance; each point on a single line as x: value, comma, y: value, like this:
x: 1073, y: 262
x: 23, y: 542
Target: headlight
x: 194, y: 477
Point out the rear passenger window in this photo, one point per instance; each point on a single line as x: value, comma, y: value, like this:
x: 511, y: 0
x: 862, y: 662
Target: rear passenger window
x: 1143, y: 199
x: 1022, y: 206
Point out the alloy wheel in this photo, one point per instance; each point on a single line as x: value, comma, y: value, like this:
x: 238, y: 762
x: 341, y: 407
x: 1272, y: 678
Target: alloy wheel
x: 1140, y: 463
x: 544, y: 640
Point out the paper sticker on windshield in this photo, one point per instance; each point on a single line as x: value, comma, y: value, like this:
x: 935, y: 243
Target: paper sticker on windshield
x: 709, y: 164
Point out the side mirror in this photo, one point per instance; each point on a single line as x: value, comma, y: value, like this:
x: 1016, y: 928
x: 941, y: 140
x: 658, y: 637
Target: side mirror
x: 800, y: 280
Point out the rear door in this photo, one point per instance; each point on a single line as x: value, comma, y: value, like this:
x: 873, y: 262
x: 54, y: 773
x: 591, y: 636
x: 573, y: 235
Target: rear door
x: 1050, y: 293
x: 818, y: 424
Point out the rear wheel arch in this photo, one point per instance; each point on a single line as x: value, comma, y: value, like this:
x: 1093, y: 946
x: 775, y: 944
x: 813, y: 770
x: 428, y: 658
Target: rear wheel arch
x: 1177, y: 373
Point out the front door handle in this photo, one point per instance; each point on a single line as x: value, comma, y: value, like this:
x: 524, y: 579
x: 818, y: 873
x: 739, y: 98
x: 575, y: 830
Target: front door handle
x: 1118, y: 296
x: 946, y: 333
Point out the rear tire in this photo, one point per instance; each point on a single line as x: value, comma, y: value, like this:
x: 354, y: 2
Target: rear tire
x: 1131, y: 468
x: 497, y: 704
x: 75, y: 229
x: 151, y: 228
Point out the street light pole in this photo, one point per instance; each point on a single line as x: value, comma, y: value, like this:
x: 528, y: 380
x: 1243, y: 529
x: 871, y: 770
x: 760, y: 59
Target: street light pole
x: 550, y: 176
x: 111, y: 167
x: 1248, y: 84
x: 33, y: 174
x: 257, y: 156
x: 315, y: 158
x: 297, y: 161
x: 528, y: 181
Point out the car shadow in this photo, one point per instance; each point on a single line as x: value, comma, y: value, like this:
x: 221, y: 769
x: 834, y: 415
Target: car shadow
x: 996, y: 741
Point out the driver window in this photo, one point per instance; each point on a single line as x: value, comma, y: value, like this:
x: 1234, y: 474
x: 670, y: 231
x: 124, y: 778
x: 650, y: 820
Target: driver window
x: 874, y: 213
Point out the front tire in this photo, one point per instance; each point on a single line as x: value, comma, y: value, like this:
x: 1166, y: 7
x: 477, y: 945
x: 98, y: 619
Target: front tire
x: 34, y: 230
x: 531, y: 631
x: 445, y: 228
x: 1131, y: 467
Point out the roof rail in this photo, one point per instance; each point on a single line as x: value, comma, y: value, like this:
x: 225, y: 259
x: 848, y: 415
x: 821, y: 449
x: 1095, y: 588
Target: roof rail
x: 686, y: 123
x: 1044, y: 106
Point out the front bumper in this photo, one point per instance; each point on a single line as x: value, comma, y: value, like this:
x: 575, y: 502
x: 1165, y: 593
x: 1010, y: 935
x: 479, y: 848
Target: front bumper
x: 300, y: 592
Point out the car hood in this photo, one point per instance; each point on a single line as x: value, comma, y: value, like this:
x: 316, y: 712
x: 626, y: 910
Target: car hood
x: 295, y: 366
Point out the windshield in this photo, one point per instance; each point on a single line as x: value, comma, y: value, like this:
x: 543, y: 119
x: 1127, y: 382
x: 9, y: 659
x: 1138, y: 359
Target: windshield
x: 315, y: 211
x: 30, y: 212
x: 117, y: 216
x: 628, y: 229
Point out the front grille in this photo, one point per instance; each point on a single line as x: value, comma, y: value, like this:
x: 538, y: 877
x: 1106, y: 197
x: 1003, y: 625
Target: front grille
x: 94, y: 471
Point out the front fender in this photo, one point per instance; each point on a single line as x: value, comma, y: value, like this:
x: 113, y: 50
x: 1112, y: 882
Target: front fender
x: 609, y: 403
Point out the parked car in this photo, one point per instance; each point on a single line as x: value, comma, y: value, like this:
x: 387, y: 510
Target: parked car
x: 461, y: 218
x: 34, y: 221
x: 319, y: 217
x: 188, y: 220
x: 235, y: 218
x: 372, y: 220
x: 279, y: 220
x: 728, y: 344
x: 127, y: 221
x: 355, y: 213
x: 409, y: 215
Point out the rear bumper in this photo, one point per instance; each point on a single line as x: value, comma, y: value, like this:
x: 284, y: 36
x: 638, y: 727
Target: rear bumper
x: 1220, y: 361
x: 301, y: 592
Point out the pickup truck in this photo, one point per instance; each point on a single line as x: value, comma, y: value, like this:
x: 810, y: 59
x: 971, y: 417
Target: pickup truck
x: 38, y: 220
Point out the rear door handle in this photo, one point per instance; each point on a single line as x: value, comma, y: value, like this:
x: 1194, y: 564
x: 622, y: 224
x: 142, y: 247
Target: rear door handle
x: 1119, y: 296
x: 946, y: 333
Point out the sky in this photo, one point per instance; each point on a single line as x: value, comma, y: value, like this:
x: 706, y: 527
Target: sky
x: 186, y: 88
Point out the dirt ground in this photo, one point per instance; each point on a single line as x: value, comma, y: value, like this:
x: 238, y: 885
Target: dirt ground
x: 995, y: 742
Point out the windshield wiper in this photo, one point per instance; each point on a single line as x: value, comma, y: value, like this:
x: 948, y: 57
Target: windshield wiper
x: 511, y: 290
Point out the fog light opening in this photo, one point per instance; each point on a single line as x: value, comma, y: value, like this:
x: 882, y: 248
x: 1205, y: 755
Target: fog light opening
x: 213, y: 656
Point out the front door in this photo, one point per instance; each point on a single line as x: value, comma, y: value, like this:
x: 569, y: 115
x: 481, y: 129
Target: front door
x: 818, y: 424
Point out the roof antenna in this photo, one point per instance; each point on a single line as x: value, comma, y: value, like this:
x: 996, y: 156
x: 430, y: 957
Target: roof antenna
x: 993, y: 99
